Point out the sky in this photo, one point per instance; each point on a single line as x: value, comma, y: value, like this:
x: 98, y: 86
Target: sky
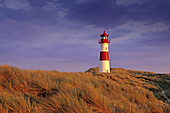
x: 63, y: 35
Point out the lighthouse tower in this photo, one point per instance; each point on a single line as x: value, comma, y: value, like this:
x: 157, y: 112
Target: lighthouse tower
x: 104, y: 66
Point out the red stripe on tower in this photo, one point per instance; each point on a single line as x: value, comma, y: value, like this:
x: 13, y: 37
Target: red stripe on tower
x: 104, y: 41
x: 104, y: 56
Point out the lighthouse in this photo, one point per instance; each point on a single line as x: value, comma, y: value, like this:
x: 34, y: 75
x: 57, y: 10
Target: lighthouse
x: 104, y: 65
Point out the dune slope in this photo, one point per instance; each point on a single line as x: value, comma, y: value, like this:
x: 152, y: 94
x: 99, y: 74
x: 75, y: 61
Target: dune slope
x: 121, y: 91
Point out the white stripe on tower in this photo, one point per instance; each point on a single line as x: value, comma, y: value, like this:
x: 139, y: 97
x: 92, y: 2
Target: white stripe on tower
x: 104, y: 54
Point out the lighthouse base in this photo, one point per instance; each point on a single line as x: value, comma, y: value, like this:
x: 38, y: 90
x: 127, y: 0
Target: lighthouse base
x: 104, y: 67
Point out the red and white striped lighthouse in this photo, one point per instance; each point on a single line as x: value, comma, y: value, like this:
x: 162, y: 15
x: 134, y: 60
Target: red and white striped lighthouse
x: 104, y: 66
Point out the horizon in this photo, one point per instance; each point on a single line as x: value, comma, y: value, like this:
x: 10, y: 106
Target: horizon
x: 63, y: 35
x: 85, y: 70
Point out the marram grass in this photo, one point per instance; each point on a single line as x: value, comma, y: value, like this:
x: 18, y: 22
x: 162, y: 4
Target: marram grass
x: 121, y: 91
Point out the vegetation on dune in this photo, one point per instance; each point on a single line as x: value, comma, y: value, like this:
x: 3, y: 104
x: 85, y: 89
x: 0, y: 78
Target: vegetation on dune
x: 121, y: 91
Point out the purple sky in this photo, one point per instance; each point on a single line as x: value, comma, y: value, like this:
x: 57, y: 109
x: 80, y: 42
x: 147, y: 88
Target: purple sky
x: 63, y: 34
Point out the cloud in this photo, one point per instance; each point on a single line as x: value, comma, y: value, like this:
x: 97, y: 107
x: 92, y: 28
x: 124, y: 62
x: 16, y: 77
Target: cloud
x: 114, y: 15
x: 143, y: 27
x: 60, y: 9
x: 82, y: 1
x: 17, y: 4
x: 137, y: 29
x: 128, y: 2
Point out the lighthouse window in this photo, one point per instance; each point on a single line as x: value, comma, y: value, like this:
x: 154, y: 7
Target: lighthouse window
x: 106, y: 48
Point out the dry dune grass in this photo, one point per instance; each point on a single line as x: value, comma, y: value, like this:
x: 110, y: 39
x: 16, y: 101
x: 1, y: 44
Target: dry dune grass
x: 121, y: 91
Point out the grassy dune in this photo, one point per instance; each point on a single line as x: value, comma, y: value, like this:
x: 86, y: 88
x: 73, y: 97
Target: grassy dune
x: 121, y: 91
